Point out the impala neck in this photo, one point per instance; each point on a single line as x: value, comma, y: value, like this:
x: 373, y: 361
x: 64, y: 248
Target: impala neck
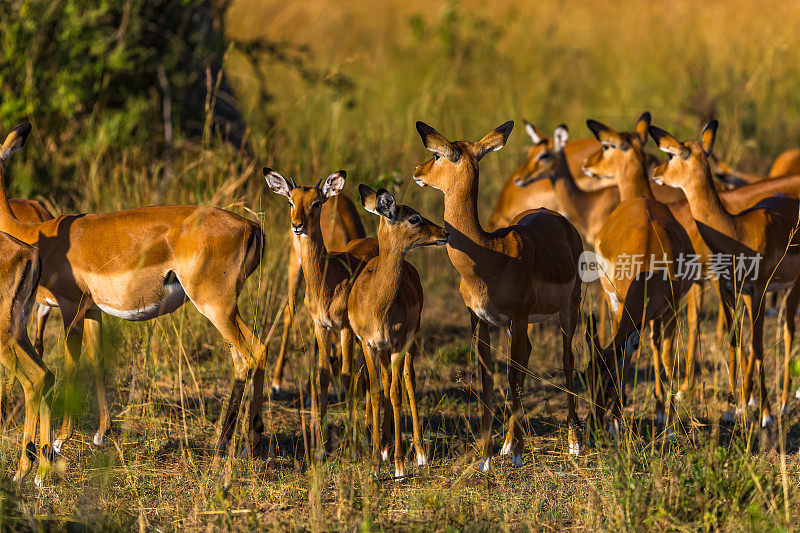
x: 461, y: 213
x: 567, y: 191
x: 387, y: 277
x: 632, y: 180
x: 706, y: 207
x: 9, y: 222
x: 314, y: 258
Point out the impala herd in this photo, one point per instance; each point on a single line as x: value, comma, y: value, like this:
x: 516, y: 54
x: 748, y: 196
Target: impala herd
x: 607, y: 193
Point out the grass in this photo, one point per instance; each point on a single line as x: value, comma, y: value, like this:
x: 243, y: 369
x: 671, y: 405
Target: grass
x: 344, y: 92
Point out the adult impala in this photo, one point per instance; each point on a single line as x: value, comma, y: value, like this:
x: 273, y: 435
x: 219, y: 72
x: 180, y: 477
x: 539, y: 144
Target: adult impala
x: 385, y: 306
x: 20, y: 269
x: 329, y: 277
x: 140, y: 264
x: 340, y: 224
x: 766, y: 233
x: 510, y: 277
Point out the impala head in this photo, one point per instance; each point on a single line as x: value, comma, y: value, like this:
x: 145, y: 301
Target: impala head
x: 685, y: 161
x: 453, y: 160
x: 619, y: 149
x: 401, y: 227
x: 305, y: 202
x: 548, y: 160
x: 541, y: 144
x: 14, y: 141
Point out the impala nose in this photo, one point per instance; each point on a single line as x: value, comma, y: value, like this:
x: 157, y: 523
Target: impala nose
x: 298, y: 229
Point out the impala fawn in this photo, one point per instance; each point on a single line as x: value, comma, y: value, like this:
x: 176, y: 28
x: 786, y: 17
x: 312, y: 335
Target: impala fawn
x: 385, y: 305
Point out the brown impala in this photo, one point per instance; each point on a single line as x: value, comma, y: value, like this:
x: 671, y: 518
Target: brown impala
x: 766, y: 232
x: 20, y: 269
x: 141, y: 264
x: 384, y: 306
x: 510, y: 277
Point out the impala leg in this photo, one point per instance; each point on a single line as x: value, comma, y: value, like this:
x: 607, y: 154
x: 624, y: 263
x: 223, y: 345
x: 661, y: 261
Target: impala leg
x: 397, y: 364
x: 42, y: 381
x: 481, y: 331
x: 748, y: 365
x: 324, y: 379
x: 694, y: 302
x: 410, y: 376
x: 294, y: 277
x: 371, y: 361
x: 73, y: 327
x: 669, y: 367
x: 346, y: 344
x: 569, y: 319
x: 792, y: 301
x: 94, y: 354
x: 386, y: 407
x: 726, y: 306
x: 28, y: 454
x: 755, y: 306
x: 258, y: 359
x: 520, y: 353
x: 42, y: 314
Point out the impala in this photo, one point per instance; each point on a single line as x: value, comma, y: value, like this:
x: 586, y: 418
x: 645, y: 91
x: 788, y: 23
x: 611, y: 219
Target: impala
x: 340, y: 224
x: 645, y: 228
x: 786, y: 164
x: 765, y: 232
x: 20, y: 270
x: 385, y: 306
x: 329, y: 277
x: 510, y: 277
x: 140, y: 264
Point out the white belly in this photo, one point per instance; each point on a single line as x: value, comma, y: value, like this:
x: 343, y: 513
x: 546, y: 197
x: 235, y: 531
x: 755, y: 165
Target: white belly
x: 174, y: 297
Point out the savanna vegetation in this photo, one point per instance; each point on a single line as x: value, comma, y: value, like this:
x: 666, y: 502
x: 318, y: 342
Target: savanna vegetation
x: 141, y: 102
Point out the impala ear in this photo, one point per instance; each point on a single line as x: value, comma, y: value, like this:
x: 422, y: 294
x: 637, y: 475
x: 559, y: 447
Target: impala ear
x: 333, y: 184
x: 385, y: 205
x: 536, y: 135
x: 667, y: 143
x: 368, y: 198
x: 709, y: 136
x: 494, y: 140
x: 641, y: 126
x: 597, y: 128
x: 435, y: 142
x: 277, y: 183
x: 560, y: 136
x: 632, y: 343
x: 14, y: 141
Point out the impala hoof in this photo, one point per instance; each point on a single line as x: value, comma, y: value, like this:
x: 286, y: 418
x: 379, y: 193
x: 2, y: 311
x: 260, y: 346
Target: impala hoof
x: 57, y: 444
x: 574, y: 448
x: 766, y: 421
x: 275, y: 389
x: 421, y: 459
x: 485, y: 466
x: 797, y: 394
x: 613, y: 430
x: 660, y: 418
x: 385, y: 455
x: 516, y: 460
x: 729, y: 417
x: 671, y: 435
x: 97, y: 440
x: 784, y: 409
x: 679, y: 396
x: 751, y: 402
x: 399, y: 474
x: 506, y: 449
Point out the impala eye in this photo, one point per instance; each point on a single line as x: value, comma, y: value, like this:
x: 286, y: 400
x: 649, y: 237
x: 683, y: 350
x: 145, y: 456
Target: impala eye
x: 291, y: 204
x: 415, y: 220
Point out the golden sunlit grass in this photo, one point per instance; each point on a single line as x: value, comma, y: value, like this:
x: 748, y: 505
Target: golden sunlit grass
x: 341, y: 88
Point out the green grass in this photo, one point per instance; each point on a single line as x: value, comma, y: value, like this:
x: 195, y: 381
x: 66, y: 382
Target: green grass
x: 352, y: 80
